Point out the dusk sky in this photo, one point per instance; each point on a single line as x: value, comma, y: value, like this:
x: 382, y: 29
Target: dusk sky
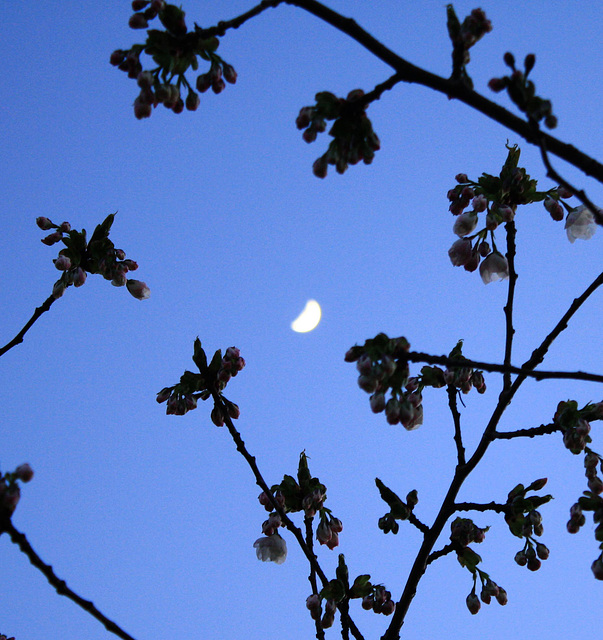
x: 153, y: 517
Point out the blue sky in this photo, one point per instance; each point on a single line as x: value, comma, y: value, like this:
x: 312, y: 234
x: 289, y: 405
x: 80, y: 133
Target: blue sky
x: 153, y: 517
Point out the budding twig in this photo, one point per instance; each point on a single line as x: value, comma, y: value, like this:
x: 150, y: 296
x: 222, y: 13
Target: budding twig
x: 509, y: 329
x: 542, y: 430
x: 456, y: 417
x: 417, y: 356
x: 18, y: 339
x: 61, y: 587
x: 296, y: 531
x: 479, y: 506
x: 562, y: 182
x: 222, y: 26
x: 452, y: 89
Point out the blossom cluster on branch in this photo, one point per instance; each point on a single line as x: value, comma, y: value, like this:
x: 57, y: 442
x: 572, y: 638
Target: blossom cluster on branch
x: 97, y: 255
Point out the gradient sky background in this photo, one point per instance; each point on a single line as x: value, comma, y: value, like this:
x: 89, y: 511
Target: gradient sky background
x: 153, y: 517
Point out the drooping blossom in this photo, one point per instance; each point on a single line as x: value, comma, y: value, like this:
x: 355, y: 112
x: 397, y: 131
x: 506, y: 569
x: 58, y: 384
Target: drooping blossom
x: 494, y: 267
x: 271, y: 549
x: 580, y: 223
x: 138, y: 289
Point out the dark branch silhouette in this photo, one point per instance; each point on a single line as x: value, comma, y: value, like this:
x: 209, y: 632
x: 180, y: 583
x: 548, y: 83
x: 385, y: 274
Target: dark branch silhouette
x: 18, y: 339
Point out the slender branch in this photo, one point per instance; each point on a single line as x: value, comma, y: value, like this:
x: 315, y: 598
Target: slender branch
x: 222, y: 26
x: 509, y: 329
x: 380, y: 89
x: 553, y: 175
x: 542, y: 430
x: 456, y: 417
x: 296, y: 531
x: 423, y: 528
x: 18, y: 339
x: 463, y: 471
x: 417, y: 356
x: 444, y: 551
x: 479, y: 506
x: 410, y: 73
x: 61, y: 587
x: 320, y: 633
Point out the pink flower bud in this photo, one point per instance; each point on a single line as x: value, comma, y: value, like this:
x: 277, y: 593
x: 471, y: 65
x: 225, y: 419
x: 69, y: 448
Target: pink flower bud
x: 164, y: 394
x: 58, y: 289
x: 494, y: 267
x: 53, y: 238
x: 24, y: 472
x: 377, y: 402
x: 192, y: 101
x: 79, y: 277
x: 473, y: 603
x: 230, y: 75
x: 480, y: 203
x: 62, y: 263
x: 597, y: 568
x: 138, y: 21
x: 464, y: 224
x: 138, y: 289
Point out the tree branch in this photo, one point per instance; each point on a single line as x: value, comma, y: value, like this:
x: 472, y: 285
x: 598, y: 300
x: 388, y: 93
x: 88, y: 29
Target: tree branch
x: 18, y: 339
x: 543, y: 429
x: 478, y: 506
x: 456, y: 417
x: 417, y: 356
x: 444, y: 551
x: 553, y: 175
x: 410, y: 73
x: 509, y: 329
x: 222, y: 26
x: 61, y: 587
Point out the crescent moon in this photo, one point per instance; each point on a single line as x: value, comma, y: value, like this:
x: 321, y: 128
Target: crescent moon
x: 308, y: 319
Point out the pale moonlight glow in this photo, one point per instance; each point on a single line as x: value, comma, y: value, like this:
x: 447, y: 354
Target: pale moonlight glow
x: 308, y: 319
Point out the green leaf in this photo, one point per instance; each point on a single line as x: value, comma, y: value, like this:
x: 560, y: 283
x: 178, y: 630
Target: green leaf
x: 303, y: 472
x: 362, y: 586
x: 432, y: 377
x: 342, y: 572
x: 199, y: 357
x: 457, y: 352
x: 399, y: 510
x: 452, y: 22
x: 102, y: 230
x: 468, y: 558
x: 334, y: 591
x: 214, y: 365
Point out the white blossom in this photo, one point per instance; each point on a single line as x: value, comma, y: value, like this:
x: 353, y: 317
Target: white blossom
x: 271, y: 549
x: 494, y: 267
x: 580, y: 223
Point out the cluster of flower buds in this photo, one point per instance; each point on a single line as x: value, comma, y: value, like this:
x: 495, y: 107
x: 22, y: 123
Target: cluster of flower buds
x: 574, y: 425
x: 182, y: 397
x: 267, y: 503
x: 99, y: 255
x: 464, y: 378
x: 314, y: 606
x: 175, y: 50
x: 353, y: 136
x: 523, y: 91
x: 380, y: 601
x: 489, y: 590
x: 383, y: 368
x: 328, y: 529
x: 3, y: 637
x: 10, y: 492
x: 525, y: 521
x: 313, y: 502
x: 498, y: 197
x: 463, y: 532
x: 590, y: 501
x: 463, y: 36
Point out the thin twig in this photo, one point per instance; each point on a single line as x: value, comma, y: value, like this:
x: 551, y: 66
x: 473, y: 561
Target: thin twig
x: 542, y: 430
x: 479, y: 506
x: 222, y: 26
x: 296, y: 531
x: 451, y: 363
x: 444, y: 551
x: 509, y: 329
x: 320, y: 633
x: 61, y: 587
x: 562, y: 182
x: 422, y: 527
x: 456, y: 417
x: 18, y: 339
